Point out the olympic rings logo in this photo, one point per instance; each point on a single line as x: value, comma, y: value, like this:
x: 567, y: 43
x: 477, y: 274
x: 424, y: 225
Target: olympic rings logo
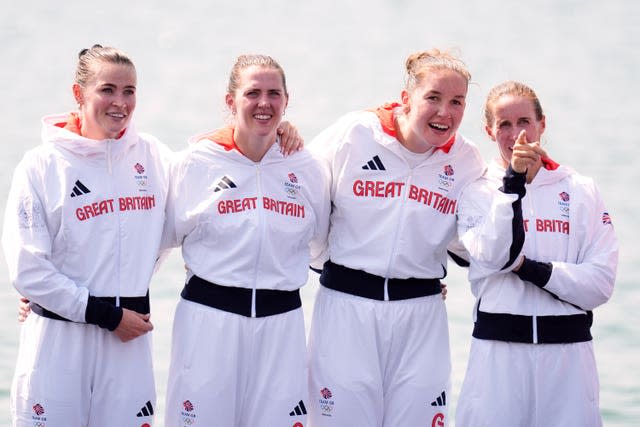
x: 39, y: 424
x: 326, y: 408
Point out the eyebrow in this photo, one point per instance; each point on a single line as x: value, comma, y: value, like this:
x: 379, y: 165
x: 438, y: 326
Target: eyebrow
x: 437, y: 92
x: 112, y: 85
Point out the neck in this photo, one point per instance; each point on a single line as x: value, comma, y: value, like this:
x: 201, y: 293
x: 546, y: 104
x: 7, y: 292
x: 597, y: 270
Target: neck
x: 407, y: 137
x: 253, y: 147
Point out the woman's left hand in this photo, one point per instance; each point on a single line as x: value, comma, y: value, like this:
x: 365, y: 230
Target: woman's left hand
x: 290, y: 139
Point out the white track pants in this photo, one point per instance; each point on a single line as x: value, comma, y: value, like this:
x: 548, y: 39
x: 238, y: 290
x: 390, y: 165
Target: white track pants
x: 529, y: 385
x: 378, y: 364
x: 78, y: 375
x: 236, y: 371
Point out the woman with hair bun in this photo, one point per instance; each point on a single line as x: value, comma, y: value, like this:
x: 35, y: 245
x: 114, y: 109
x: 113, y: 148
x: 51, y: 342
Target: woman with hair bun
x: 379, y: 345
x: 81, y: 236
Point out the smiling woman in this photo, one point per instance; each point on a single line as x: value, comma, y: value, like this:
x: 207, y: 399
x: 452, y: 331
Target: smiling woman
x: 379, y: 340
x: 244, y: 215
x: 76, y: 218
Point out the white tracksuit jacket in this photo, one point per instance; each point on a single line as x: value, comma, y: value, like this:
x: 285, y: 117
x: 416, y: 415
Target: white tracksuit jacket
x: 246, y: 224
x: 394, y: 221
x: 571, y: 256
x: 84, y: 218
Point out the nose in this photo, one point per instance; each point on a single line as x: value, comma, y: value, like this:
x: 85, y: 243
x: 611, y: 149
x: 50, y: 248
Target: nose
x: 263, y: 102
x: 444, y: 110
x: 117, y: 101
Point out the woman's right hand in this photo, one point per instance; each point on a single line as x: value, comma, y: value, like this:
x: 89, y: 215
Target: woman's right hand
x: 525, y: 154
x: 132, y: 325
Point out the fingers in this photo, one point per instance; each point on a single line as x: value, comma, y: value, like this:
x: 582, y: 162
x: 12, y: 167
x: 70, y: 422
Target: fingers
x: 290, y: 139
x: 525, y: 154
x: 522, y: 137
x: 23, y: 309
x: 443, y: 291
x: 133, y: 325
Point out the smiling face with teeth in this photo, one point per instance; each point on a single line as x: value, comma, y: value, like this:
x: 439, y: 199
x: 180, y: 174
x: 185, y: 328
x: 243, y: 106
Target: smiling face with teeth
x: 433, y: 110
x: 107, y: 100
x: 258, y: 103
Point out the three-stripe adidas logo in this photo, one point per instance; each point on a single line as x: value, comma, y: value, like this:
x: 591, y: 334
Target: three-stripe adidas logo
x: 79, y: 189
x: 375, y: 164
x: 146, y: 410
x: 224, y: 184
x: 440, y: 400
x: 298, y: 410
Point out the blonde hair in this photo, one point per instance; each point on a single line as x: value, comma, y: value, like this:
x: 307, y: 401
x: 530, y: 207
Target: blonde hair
x: 98, y: 54
x: 245, y: 61
x: 510, y: 88
x: 420, y: 63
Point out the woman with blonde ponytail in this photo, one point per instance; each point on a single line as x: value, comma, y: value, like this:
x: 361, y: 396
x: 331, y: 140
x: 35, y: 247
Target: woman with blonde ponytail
x: 81, y: 237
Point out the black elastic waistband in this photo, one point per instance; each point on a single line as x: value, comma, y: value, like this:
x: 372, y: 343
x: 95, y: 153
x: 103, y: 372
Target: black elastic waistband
x: 238, y: 300
x: 367, y: 285
x: 137, y: 304
x: 518, y: 328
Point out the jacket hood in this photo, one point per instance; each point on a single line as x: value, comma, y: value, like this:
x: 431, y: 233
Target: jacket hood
x: 221, y: 141
x: 62, y: 132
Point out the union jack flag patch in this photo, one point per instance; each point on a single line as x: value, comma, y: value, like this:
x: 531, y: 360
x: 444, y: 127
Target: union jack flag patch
x: 606, y: 219
x: 38, y: 409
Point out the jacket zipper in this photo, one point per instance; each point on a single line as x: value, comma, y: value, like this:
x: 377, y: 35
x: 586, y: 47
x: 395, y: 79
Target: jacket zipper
x: 260, y: 238
x: 118, y: 245
x: 534, y: 314
x: 394, y: 246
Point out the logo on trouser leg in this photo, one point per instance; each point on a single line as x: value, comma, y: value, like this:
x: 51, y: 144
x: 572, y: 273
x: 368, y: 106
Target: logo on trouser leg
x: 145, y: 411
x: 187, y: 413
x: 440, y: 400
x: 299, y: 409
x: 438, y: 419
x: 326, y: 402
x: 38, y: 418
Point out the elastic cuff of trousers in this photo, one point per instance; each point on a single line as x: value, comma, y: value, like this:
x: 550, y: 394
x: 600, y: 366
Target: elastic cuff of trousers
x: 513, y: 182
x: 103, y: 314
x: 535, y: 272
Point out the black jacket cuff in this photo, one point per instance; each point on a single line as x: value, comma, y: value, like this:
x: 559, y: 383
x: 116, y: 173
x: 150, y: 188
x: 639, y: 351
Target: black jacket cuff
x: 103, y: 314
x: 535, y: 272
x: 513, y: 182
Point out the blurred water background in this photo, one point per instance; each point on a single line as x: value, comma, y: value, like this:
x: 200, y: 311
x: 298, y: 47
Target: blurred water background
x: 582, y: 57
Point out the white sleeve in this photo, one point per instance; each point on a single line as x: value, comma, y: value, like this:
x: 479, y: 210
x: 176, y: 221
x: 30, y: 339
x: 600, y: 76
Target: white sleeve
x: 589, y: 281
x: 27, y: 240
x: 165, y: 160
x: 171, y: 237
x: 324, y: 148
x: 322, y: 206
x: 487, y: 220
